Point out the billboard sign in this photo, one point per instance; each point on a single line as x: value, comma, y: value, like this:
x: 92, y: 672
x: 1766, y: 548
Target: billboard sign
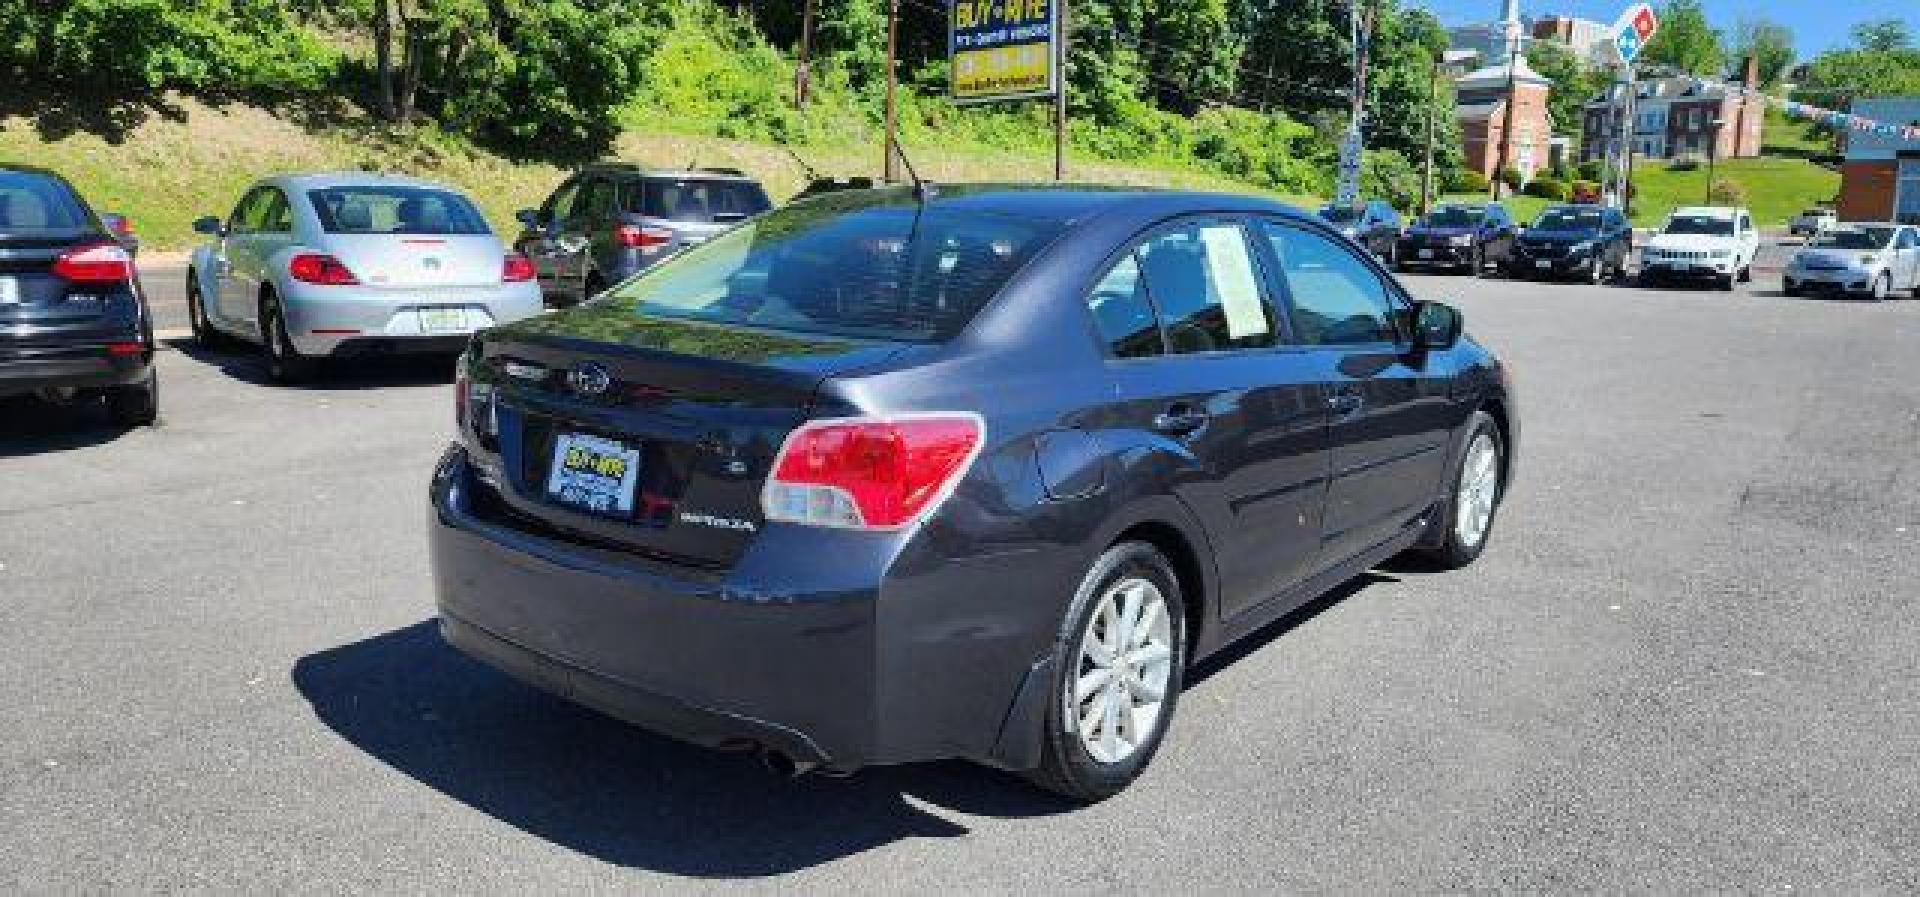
x: 1636, y: 26
x: 1003, y: 49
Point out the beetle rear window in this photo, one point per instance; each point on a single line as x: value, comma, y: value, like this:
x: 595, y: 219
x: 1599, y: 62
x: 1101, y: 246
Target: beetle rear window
x: 396, y: 210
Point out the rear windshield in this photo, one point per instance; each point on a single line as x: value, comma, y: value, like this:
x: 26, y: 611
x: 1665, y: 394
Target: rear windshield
x: 1568, y: 219
x: 32, y: 203
x: 701, y: 202
x: 1700, y: 224
x: 1455, y: 217
x: 395, y: 210
x: 845, y: 266
x: 1871, y: 238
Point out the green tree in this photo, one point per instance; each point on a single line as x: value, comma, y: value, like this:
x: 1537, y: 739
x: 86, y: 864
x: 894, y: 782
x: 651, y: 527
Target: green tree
x: 1883, y: 35
x: 1839, y: 76
x: 1573, y: 84
x: 1685, y: 40
x: 1767, y: 41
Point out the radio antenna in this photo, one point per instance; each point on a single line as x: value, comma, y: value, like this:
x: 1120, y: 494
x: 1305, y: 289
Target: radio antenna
x: 923, y: 190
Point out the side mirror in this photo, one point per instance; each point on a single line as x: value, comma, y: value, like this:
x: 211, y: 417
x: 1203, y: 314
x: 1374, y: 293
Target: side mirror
x: 530, y: 218
x: 1436, y: 326
x: 208, y: 225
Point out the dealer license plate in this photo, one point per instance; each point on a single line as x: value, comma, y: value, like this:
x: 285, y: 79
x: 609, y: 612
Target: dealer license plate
x: 9, y: 291
x: 1543, y: 265
x: 1426, y: 253
x: 443, y: 320
x: 593, y: 474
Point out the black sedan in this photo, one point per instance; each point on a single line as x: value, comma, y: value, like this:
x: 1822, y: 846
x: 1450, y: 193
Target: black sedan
x: 1458, y: 236
x: 883, y: 477
x: 1374, y: 224
x: 1587, y: 242
x: 74, y: 323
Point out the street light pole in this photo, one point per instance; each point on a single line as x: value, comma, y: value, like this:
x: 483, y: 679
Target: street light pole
x: 889, y: 169
x: 803, y: 73
x: 1426, y: 169
x: 1713, y: 153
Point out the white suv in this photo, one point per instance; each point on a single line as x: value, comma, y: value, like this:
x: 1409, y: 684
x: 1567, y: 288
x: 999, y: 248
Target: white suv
x: 1702, y: 243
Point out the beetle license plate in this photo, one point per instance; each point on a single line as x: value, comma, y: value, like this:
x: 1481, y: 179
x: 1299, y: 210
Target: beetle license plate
x: 443, y: 320
x: 593, y: 474
x: 9, y: 291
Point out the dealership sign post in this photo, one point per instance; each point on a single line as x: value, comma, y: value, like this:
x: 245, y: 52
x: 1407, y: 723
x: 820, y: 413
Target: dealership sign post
x: 1631, y: 32
x: 1011, y: 50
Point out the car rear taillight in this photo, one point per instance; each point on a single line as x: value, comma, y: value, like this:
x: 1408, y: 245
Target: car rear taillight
x: 95, y: 263
x: 323, y: 270
x: 634, y: 236
x: 516, y: 269
x: 870, y: 473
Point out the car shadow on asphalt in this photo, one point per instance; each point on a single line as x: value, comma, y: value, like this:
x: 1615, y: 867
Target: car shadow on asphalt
x: 243, y: 363
x: 614, y: 791
x: 30, y: 426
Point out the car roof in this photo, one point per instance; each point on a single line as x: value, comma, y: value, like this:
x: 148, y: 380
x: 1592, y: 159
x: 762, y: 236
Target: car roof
x: 638, y: 170
x: 320, y: 180
x: 1063, y: 203
x: 1708, y: 211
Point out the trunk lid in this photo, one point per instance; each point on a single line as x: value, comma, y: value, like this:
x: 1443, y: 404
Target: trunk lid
x: 403, y: 261
x: 704, y: 408
x: 30, y: 293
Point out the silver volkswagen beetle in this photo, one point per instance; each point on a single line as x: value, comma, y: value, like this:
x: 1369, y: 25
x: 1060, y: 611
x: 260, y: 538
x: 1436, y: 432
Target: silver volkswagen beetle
x: 1876, y: 260
x: 321, y: 266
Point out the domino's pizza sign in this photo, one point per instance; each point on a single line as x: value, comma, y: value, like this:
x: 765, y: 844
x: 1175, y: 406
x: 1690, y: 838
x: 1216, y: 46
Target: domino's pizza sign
x: 1636, y: 26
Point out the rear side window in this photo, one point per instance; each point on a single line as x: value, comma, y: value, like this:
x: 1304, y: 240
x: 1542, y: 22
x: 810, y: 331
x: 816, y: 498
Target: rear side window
x: 1123, y: 314
x: 699, y: 201
x: 1202, y: 279
x: 34, y: 202
x: 396, y: 210
x: 852, y: 265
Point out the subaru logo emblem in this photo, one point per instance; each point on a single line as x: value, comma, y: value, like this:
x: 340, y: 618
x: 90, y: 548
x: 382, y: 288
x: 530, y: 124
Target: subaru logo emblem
x: 430, y: 263
x: 589, y: 379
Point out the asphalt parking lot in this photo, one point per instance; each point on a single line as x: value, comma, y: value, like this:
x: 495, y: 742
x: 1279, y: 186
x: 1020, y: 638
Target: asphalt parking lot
x: 1686, y: 662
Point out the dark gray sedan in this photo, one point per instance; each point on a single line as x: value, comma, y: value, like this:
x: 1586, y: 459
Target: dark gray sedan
x: 889, y: 476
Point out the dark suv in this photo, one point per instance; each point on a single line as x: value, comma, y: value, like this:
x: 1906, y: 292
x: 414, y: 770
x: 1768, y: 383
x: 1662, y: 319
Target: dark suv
x: 1591, y: 243
x: 877, y: 479
x: 612, y: 221
x: 74, y: 322
x: 1461, y: 236
x: 1374, y: 224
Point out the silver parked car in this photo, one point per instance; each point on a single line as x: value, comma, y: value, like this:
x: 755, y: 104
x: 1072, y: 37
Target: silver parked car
x: 1872, y: 259
x: 322, y: 266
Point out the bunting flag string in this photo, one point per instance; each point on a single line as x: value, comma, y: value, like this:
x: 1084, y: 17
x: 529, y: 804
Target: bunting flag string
x: 1837, y: 120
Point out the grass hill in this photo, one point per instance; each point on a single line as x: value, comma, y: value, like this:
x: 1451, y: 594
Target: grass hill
x: 194, y: 159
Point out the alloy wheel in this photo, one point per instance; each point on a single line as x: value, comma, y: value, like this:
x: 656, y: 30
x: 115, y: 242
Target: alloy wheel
x: 1479, y: 489
x: 1881, y: 286
x: 1118, y: 694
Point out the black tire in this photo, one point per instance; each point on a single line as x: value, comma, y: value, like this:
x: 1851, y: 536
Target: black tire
x: 1478, y: 266
x: 1746, y: 274
x: 205, y: 335
x: 1446, y: 546
x: 285, y: 364
x: 1066, y: 766
x: 135, y: 405
x: 1791, y: 290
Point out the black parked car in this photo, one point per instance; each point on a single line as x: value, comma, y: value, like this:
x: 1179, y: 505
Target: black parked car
x: 1588, y: 242
x: 611, y: 221
x: 869, y: 480
x: 1459, y: 236
x: 1373, y: 224
x: 73, y: 320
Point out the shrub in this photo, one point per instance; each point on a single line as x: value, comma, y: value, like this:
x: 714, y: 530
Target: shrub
x: 1684, y: 163
x: 1549, y: 188
x: 1727, y: 193
x: 1592, y: 170
x: 1466, y: 180
x: 1512, y: 177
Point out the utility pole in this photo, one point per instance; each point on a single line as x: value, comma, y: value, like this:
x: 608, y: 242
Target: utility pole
x: 889, y: 168
x: 1426, y: 169
x: 1360, y: 25
x: 1713, y: 152
x: 803, y: 73
x: 1059, y: 90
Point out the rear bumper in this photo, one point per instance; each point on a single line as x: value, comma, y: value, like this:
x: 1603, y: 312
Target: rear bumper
x: 1409, y: 253
x: 812, y: 644
x: 1563, y: 266
x: 344, y: 321
x: 85, y: 367
x: 1846, y: 280
x: 1712, y: 269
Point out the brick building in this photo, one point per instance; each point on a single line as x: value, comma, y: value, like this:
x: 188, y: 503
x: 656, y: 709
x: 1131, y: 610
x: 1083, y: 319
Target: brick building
x: 1484, y: 96
x: 1674, y: 118
x: 1880, y: 175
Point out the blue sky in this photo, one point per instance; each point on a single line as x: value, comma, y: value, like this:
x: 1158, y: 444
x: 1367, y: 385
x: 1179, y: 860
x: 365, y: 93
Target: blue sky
x: 1817, y: 24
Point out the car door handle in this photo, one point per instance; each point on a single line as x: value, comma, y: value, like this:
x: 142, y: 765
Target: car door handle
x: 1345, y: 404
x: 1179, y: 420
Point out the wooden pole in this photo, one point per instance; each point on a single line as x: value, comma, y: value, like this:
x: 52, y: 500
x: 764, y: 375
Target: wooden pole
x: 1426, y: 169
x: 803, y: 74
x: 1060, y: 91
x: 889, y: 168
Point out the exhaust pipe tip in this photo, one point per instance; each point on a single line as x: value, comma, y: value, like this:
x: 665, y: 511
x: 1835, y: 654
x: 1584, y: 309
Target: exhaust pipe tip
x: 784, y: 766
